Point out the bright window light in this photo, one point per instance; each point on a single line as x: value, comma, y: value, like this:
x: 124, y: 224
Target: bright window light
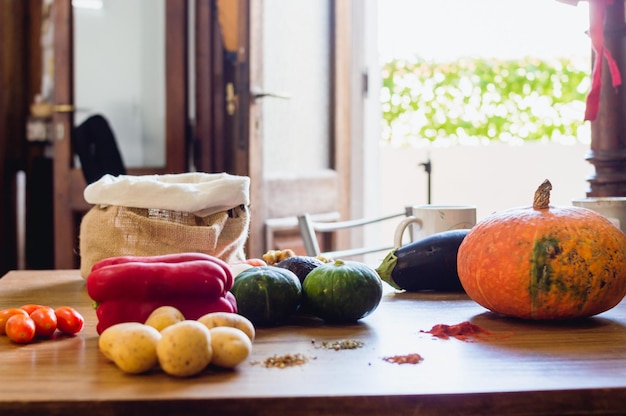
x: 87, y: 4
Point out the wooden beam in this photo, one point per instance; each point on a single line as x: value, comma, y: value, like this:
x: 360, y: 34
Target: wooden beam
x: 608, y: 131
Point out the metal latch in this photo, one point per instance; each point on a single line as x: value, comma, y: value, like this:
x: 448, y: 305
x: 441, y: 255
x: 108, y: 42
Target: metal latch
x: 231, y: 99
x: 256, y: 93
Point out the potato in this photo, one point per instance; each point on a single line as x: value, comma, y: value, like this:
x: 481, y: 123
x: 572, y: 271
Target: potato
x: 231, y: 346
x: 110, y: 335
x: 164, y: 316
x: 133, y: 348
x: 215, y: 319
x: 185, y: 348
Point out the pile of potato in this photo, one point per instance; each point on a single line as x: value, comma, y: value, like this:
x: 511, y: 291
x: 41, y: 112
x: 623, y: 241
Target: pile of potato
x: 181, y: 347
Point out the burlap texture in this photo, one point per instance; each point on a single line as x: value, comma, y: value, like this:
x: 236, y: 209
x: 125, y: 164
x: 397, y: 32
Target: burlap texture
x: 109, y: 231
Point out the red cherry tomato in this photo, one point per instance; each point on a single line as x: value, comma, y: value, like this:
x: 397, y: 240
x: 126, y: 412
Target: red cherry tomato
x: 69, y: 320
x: 254, y: 262
x: 20, y: 328
x: 31, y: 307
x: 5, y: 314
x: 45, y: 321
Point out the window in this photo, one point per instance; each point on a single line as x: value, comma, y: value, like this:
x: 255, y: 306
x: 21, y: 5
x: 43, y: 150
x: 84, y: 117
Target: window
x: 491, y: 175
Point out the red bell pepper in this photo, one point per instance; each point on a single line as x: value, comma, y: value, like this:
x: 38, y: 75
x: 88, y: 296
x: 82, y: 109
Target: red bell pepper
x: 129, y: 288
x: 167, y: 258
x: 138, y: 280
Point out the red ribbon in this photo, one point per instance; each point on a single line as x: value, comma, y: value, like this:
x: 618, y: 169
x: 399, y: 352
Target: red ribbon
x: 596, y: 31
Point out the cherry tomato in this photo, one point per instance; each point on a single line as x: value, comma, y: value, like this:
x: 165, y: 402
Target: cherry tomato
x: 254, y: 262
x: 69, y: 320
x: 31, y: 307
x: 5, y: 314
x: 45, y: 321
x: 20, y: 328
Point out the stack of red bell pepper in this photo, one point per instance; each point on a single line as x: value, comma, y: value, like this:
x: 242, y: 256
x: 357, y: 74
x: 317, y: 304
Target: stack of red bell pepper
x: 129, y: 288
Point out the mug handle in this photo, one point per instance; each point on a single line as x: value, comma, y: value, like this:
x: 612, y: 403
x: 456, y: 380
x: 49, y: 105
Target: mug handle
x: 402, y: 227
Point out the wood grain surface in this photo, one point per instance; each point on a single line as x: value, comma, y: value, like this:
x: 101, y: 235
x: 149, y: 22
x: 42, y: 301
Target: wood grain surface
x: 519, y: 368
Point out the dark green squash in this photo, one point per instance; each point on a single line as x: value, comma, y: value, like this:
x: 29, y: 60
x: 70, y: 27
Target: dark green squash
x: 342, y: 291
x: 267, y: 295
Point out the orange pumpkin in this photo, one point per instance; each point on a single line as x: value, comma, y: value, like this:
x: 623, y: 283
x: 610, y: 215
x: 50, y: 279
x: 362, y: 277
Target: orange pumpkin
x: 544, y: 262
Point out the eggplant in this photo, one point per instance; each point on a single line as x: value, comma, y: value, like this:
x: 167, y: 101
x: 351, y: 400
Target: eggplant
x: 301, y: 266
x: 426, y: 264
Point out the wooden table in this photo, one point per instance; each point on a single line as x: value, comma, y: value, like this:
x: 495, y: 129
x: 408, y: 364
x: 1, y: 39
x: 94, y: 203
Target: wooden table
x: 521, y: 368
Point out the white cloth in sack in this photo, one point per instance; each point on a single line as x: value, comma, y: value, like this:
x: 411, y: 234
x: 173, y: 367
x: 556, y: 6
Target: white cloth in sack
x: 199, y: 193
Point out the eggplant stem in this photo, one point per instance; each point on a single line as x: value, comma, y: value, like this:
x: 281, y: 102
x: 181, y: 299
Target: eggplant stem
x: 386, y: 269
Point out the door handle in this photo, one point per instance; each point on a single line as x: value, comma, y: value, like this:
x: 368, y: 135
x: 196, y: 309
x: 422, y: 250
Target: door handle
x: 231, y: 97
x: 44, y: 110
x: 63, y: 108
x: 256, y: 94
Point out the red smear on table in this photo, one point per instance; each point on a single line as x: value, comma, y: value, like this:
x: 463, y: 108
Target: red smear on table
x: 412, y: 358
x: 464, y: 331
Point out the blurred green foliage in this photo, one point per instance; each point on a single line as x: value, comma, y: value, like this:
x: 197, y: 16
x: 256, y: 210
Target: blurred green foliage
x: 483, y: 99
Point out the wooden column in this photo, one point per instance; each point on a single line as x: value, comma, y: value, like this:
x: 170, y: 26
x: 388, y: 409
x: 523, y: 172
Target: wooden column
x: 608, y: 131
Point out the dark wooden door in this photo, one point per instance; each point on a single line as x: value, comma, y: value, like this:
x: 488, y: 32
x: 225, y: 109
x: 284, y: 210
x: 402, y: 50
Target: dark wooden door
x: 68, y: 202
x: 289, y: 126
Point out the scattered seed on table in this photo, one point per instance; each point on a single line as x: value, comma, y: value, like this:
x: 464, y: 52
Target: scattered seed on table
x: 343, y: 344
x: 283, y: 361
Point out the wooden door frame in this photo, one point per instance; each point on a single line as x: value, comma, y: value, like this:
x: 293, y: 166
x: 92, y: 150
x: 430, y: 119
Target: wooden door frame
x: 250, y: 118
x: 20, y: 63
x: 65, y: 176
x: 210, y: 144
x: 221, y: 139
x: 344, y: 111
x: 176, y: 86
x: 69, y: 204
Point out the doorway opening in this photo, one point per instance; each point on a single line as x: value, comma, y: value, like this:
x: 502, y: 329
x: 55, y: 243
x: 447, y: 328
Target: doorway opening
x: 501, y: 168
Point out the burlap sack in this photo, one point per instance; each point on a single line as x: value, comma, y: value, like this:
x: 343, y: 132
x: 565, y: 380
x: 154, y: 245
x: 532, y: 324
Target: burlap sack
x: 116, y: 226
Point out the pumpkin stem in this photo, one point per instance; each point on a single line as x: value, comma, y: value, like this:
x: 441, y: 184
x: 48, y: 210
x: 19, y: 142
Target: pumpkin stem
x: 542, y: 195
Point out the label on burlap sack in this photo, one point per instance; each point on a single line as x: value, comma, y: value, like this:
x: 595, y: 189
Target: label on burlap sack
x: 110, y: 231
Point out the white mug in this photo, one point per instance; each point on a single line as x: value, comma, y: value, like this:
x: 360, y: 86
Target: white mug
x: 425, y: 220
x: 611, y: 207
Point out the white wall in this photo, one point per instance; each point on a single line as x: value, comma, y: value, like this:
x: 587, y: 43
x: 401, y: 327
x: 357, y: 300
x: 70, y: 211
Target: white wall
x: 493, y: 177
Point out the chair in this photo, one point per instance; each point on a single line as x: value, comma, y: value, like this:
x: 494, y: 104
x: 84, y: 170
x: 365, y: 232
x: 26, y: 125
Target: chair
x: 95, y: 145
x: 297, y: 192
x: 310, y: 230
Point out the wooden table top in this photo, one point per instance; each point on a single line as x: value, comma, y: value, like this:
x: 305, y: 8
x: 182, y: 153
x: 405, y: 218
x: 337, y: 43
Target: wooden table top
x: 519, y: 368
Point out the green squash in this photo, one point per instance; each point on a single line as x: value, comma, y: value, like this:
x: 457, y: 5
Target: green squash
x: 267, y: 295
x: 342, y: 291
